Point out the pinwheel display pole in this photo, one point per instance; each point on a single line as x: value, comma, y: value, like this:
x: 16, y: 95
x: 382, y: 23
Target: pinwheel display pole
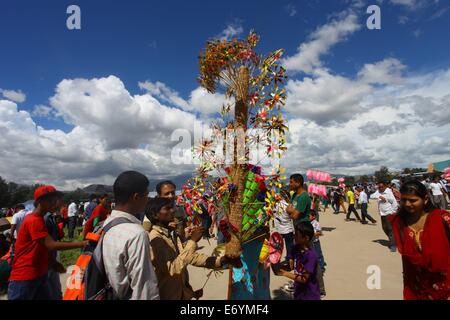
x: 253, y: 82
x: 239, y: 169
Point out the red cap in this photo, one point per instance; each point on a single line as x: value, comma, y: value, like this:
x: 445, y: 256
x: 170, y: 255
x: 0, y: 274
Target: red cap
x: 45, y: 190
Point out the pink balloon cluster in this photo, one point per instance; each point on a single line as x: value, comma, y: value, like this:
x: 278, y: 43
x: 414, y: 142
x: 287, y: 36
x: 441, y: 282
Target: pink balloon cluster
x: 318, y: 176
x: 341, y: 183
x: 447, y: 173
x: 318, y: 189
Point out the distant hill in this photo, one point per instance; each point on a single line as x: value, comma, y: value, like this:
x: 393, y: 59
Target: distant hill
x: 98, y: 189
x: 101, y: 188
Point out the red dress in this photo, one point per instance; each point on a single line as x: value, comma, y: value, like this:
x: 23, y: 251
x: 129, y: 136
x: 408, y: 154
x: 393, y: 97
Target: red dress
x: 426, y: 262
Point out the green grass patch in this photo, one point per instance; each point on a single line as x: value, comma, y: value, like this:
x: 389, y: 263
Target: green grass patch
x: 69, y: 257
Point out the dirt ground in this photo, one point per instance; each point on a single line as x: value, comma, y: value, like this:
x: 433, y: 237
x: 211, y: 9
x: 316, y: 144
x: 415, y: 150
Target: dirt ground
x: 349, y: 248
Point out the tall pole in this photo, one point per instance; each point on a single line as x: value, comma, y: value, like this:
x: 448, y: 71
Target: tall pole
x: 239, y: 169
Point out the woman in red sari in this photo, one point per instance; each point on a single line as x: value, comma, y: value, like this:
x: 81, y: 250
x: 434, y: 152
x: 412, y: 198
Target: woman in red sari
x: 422, y: 234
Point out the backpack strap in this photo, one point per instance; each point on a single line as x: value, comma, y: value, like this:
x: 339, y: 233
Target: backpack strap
x: 114, y: 223
x: 97, y: 256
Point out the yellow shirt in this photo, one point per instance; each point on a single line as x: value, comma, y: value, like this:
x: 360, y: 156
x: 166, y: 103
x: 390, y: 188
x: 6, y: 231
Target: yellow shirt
x: 351, y: 197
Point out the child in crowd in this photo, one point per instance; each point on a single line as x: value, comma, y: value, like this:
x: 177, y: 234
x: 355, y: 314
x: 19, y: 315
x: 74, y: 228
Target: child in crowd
x: 315, y: 203
x: 304, y: 262
x: 318, y: 249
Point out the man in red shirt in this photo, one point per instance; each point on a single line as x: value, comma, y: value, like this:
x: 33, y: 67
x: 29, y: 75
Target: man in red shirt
x: 65, y: 214
x: 99, y: 214
x: 28, y: 279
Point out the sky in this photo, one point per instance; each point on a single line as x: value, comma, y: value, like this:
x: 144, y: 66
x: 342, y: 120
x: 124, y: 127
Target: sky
x: 80, y: 106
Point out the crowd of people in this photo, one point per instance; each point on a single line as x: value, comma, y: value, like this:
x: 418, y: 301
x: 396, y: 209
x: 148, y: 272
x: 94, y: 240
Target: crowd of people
x: 412, y: 217
x: 148, y: 243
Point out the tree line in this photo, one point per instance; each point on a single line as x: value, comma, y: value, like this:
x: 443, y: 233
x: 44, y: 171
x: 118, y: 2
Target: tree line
x: 12, y: 193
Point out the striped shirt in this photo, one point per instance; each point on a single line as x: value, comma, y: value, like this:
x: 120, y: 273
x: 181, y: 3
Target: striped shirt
x: 126, y: 255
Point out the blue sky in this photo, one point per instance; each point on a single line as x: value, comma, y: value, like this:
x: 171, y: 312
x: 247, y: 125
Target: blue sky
x: 138, y: 41
x: 154, y: 40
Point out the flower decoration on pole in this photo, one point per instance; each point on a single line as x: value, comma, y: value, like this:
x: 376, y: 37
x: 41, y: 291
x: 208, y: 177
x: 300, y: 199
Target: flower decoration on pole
x: 251, y: 120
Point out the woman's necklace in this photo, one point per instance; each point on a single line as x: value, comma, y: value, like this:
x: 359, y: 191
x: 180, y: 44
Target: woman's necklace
x: 417, y: 229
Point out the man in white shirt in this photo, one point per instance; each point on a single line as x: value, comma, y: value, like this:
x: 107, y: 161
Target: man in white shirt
x: 126, y: 247
x: 437, y: 193
x: 387, y: 205
x: 17, y: 220
x: 72, y: 214
x: 284, y: 226
x: 363, y: 202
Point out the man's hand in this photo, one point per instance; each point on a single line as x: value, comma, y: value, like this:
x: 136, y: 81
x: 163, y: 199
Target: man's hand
x: 283, y: 272
x: 188, y: 231
x: 277, y: 270
x: 198, y: 294
x: 382, y: 199
x: 290, y: 209
x: 234, y: 262
x: 173, y: 224
x: 197, y: 234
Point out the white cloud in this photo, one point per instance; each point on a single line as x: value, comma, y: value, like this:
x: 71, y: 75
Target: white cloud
x: 407, y: 3
x: 440, y: 13
x: 113, y: 131
x: 16, y: 96
x: 43, y: 111
x: 413, y: 5
x: 326, y: 98
x: 165, y: 93
x: 291, y: 9
x: 388, y: 71
x: 401, y: 125
x: 417, y: 33
x: 353, y: 125
x: 431, y: 110
x: 379, y: 136
x: 105, y: 107
x: 232, y: 30
x: 403, y: 19
x: 200, y: 100
x: 321, y: 41
x: 373, y: 129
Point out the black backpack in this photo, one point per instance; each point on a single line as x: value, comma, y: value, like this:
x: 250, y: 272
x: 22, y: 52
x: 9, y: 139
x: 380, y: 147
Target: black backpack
x: 97, y: 286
